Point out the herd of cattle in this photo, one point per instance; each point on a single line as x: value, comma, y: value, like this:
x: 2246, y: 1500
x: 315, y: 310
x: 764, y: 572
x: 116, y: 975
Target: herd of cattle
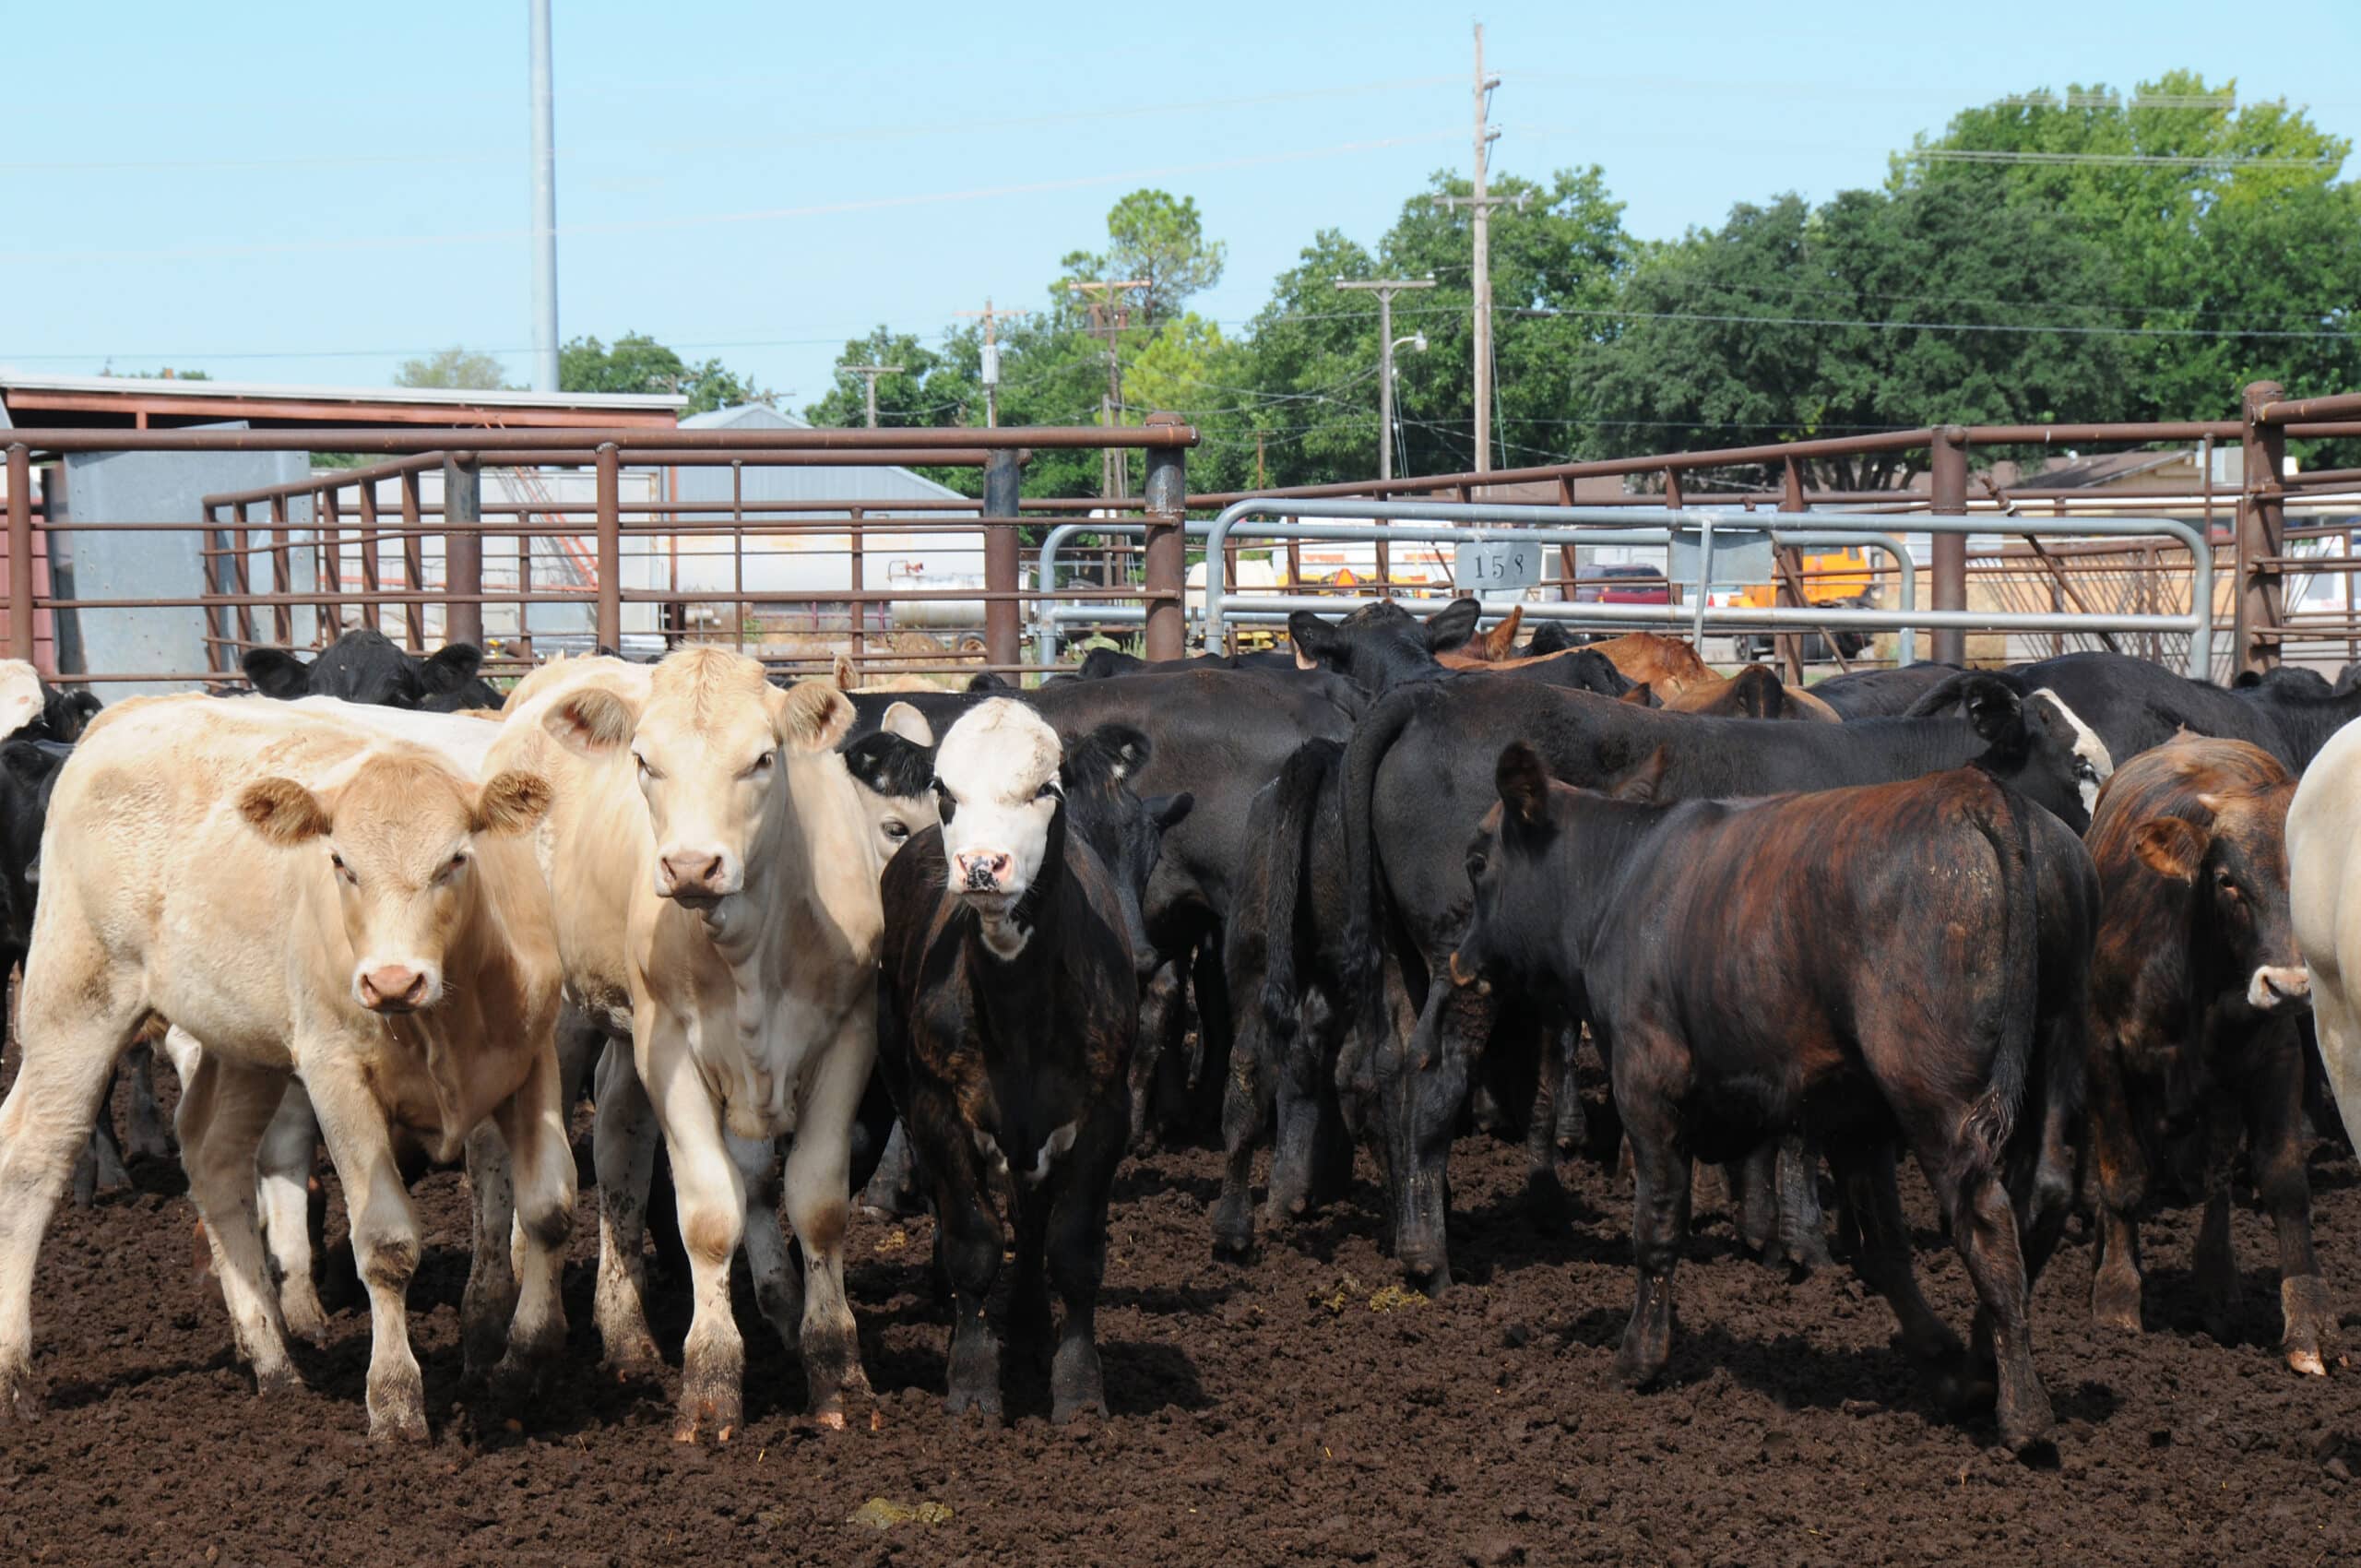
x: 2036, y: 928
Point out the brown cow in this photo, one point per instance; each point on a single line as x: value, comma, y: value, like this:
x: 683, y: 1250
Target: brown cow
x: 2195, y: 990
x: 1670, y: 667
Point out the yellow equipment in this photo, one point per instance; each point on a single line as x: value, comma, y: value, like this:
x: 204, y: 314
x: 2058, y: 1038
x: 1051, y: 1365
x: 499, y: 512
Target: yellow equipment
x: 1828, y: 576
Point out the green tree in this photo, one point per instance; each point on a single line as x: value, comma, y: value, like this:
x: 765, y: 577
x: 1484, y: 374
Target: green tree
x: 2232, y: 236
x: 1157, y: 239
x: 1873, y: 311
x: 167, y: 374
x: 928, y: 390
x: 637, y: 362
x: 454, y: 366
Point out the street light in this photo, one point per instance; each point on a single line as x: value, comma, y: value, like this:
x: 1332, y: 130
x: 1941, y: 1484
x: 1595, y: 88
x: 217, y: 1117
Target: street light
x: 1385, y: 289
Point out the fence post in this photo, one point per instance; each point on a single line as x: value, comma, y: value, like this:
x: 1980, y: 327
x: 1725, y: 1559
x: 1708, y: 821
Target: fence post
x: 610, y: 547
x: 1789, y: 575
x: 1003, y: 476
x: 1948, y: 465
x: 2261, y: 525
x: 462, y: 549
x: 20, y: 552
x: 282, y: 574
x: 1165, y: 556
x: 413, y: 562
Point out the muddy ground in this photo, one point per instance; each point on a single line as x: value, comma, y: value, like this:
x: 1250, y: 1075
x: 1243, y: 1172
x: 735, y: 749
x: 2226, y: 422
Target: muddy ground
x: 1294, y: 1410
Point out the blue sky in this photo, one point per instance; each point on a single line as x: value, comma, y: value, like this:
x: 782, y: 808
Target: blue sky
x: 312, y: 193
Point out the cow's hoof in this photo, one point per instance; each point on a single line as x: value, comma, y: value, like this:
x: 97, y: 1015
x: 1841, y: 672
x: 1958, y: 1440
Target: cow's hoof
x: 272, y: 1382
x: 398, y: 1426
x: 19, y: 1400
x: 981, y: 1401
x: 304, y: 1317
x: 1077, y: 1386
x: 629, y: 1355
x: 2115, y: 1303
x: 1233, y: 1228
x: 716, y: 1416
x: 1634, y: 1369
x: 2310, y: 1318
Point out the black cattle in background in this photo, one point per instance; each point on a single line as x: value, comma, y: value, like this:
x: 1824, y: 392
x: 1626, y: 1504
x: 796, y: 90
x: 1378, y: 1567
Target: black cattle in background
x: 367, y: 667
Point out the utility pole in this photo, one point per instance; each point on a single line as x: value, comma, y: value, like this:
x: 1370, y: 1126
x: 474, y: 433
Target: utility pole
x: 992, y: 359
x: 544, y: 206
x: 1109, y: 317
x: 1385, y: 289
x: 1479, y: 206
x: 868, y: 375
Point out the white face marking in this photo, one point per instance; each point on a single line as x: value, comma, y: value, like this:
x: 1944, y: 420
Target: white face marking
x: 2272, y: 989
x: 997, y: 775
x: 20, y: 696
x: 2088, y: 747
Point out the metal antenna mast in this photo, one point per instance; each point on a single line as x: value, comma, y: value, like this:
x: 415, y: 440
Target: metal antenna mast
x: 1479, y: 206
x: 1385, y: 289
x: 544, y: 206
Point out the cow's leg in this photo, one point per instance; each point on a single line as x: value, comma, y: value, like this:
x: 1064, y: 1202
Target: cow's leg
x: 1984, y: 1227
x: 1159, y: 1069
x: 223, y: 1111
x: 1311, y: 1152
x: 1880, y: 1256
x: 778, y: 1294
x: 1545, y: 1196
x: 2274, y: 1097
x: 1803, y: 1228
x: 712, y: 1204
x: 101, y: 1168
x: 819, y: 1179
x: 1247, y: 1096
x: 284, y: 1188
x: 1422, y: 1087
x: 1573, y: 1120
x: 1077, y: 1263
x: 2339, y: 1033
x: 384, y: 1231
x: 2216, y: 1265
x: 490, y: 1300
x: 147, y: 1136
x: 540, y: 1160
x: 1660, y: 1170
x: 1754, y: 1200
x: 75, y: 1018
x: 623, y: 1146
x: 2119, y: 1168
x: 893, y: 1187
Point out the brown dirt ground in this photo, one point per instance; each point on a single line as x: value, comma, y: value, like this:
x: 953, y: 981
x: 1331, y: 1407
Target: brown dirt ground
x: 1293, y: 1410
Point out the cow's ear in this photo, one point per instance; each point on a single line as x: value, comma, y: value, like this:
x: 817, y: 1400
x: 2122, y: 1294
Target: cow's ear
x: 904, y: 719
x: 592, y: 721
x: 1993, y: 709
x: 987, y: 681
x: 1501, y: 641
x: 2247, y: 678
x: 277, y: 672
x: 840, y: 670
x: 283, y: 811
x: 810, y: 716
x: 885, y: 763
x: 1644, y: 782
x: 1168, y: 810
x: 511, y: 802
x: 1452, y: 624
x: 71, y: 712
x: 1523, y: 784
x: 1315, y: 640
x: 449, y: 666
x: 1641, y: 696
x: 2171, y: 847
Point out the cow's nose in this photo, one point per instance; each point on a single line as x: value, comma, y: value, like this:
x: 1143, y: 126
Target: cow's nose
x: 982, y: 871
x: 2280, y: 986
x: 393, y: 988
x: 688, y: 871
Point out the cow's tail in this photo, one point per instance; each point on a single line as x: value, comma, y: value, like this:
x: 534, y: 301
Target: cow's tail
x: 1364, y: 957
x: 1990, y: 1119
x: 1293, y: 823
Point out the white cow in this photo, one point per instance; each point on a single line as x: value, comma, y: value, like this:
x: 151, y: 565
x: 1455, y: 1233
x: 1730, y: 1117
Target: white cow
x: 714, y: 884
x: 308, y: 896
x: 2324, y: 900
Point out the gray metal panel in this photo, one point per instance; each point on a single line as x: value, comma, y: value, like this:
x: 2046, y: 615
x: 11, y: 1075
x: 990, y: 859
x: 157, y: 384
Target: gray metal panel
x: 163, y: 487
x: 775, y: 483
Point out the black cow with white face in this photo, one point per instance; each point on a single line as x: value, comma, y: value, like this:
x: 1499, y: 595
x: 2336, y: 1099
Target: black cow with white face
x: 365, y: 666
x: 32, y: 709
x: 1008, y: 1003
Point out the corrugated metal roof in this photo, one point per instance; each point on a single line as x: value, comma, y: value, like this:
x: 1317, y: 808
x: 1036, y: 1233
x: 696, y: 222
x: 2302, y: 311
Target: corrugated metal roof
x: 11, y: 380
x: 882, y: 482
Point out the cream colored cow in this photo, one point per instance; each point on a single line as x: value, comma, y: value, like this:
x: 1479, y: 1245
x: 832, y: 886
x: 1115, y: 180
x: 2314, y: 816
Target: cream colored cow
x: 716, y: 892
x: 2324, y: 900
x: 306, y: 895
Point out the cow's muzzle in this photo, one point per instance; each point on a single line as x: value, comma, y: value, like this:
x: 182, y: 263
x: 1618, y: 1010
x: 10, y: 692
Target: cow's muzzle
x: 2280, y: 988
x: 1465, y: 974
x: 395, y: 988
x: 699, y: 878
x: 982, y: 871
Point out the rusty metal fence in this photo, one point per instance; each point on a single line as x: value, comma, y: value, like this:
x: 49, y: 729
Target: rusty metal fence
x: 294, y: 564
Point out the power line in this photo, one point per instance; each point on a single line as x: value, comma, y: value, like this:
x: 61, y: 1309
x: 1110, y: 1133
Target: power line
x: 2121, y: 160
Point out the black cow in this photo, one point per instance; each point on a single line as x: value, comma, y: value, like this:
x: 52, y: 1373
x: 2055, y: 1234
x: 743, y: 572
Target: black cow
x: 1415, y: 777
x: 1008, y: 1003
x: 365, y: 666
x: 1881, y: 693
x: 45, y: 712
x: 1746, y: 966
x: 2135, y: 705
x: 2195, y: 993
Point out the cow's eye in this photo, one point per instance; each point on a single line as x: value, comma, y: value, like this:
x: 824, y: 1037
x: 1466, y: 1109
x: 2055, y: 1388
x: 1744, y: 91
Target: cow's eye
x: 343, y: 870
x: 452, y: 867
x: 647, y: 774
x: 1476, y: 864
x: 757, y: 767
x: 897, y: 831
x: 2086, y: 770
x: 2222, y: 880
x: 1048, y: 792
